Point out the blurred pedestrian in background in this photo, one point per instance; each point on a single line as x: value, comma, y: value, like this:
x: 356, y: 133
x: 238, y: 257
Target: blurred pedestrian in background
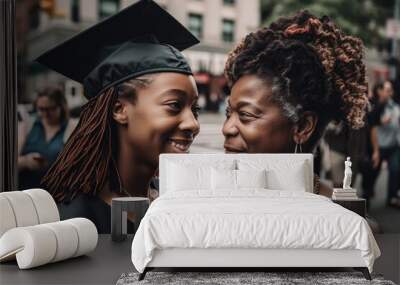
x: 41, y: 140
x: 385, y: 116
x: 389, y: 140
x: 371, y: 160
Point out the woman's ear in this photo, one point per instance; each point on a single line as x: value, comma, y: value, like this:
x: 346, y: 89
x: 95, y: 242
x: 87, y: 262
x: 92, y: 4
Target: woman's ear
x: 120, y: 112
x: 305, y: 127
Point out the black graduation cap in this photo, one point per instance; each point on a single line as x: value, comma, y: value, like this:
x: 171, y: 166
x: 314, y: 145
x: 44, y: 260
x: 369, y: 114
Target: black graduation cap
x: 140, y: 39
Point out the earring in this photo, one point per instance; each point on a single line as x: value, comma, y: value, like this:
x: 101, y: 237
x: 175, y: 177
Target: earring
x: 298, y: 147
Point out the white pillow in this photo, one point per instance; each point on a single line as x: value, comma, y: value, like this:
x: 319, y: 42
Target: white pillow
x: 292, y: 178
x: 229, y: 180
x: 182, y: 177
x: 223, y: 179
x: 193, y: 175
x: 251, y: 178
x: 281, y: 175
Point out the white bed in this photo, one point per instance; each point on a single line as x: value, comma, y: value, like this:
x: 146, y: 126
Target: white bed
x: 203, y: 225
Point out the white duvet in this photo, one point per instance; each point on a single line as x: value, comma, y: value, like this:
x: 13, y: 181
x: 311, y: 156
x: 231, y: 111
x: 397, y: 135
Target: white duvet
x: 254, y: 218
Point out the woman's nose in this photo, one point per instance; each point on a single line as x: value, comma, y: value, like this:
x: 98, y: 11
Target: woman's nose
x: 190, y: 123
x: 229, y: 128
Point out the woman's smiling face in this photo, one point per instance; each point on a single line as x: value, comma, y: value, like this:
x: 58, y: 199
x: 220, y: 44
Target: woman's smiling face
x: 254, y: 122
x: 163, y: 117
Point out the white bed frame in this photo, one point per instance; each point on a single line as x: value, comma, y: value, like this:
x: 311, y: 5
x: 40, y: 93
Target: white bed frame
x: 249, y: 257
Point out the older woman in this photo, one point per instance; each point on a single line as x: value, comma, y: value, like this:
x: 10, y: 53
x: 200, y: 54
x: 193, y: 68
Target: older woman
x: 288, y: 81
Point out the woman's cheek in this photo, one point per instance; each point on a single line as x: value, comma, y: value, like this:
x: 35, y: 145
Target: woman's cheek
x: 166, y: 123
x: 253, y: 130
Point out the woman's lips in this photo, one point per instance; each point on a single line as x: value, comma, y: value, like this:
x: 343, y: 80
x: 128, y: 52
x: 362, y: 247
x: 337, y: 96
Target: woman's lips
x: 180, y: 145
x: 230, y: 149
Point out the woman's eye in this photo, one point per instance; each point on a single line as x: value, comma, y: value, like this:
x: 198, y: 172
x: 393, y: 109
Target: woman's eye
x: 246, y: 115
x: 227, y: 113
x: 196, y: 109
x: 175, y: 106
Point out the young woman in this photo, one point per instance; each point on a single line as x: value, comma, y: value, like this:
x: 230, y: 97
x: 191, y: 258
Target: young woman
x: 288, y: 81
x: 142, y: 102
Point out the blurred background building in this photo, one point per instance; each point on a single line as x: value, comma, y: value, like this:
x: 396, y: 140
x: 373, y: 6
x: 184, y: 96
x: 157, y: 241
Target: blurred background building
x: 218, y: 24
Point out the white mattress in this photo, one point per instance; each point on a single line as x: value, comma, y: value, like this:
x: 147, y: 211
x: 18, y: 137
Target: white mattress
x: 256, y: 218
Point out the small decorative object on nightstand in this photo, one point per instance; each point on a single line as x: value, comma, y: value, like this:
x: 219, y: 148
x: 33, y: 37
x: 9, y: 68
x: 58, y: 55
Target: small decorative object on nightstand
x: 345, y: 193
x: 347, y: 196
x: 119, y: 212
x: 347, y: 174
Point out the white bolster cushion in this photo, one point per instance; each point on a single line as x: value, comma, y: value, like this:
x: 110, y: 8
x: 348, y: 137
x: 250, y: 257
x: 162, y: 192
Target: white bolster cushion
x: 23, y: 208
x: 87, y: 235
x: 45, y: 205
x: 67, y: 240
x: 33, y: 246
x: 26, y: 208
x: 40, y: 244
x: 7, y: 218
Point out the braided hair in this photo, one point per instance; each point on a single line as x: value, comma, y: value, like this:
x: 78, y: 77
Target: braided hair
x: 311, y: 65
x: 87, y: 161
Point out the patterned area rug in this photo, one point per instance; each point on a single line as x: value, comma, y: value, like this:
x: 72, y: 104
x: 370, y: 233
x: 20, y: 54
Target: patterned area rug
x: 229, y: 278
